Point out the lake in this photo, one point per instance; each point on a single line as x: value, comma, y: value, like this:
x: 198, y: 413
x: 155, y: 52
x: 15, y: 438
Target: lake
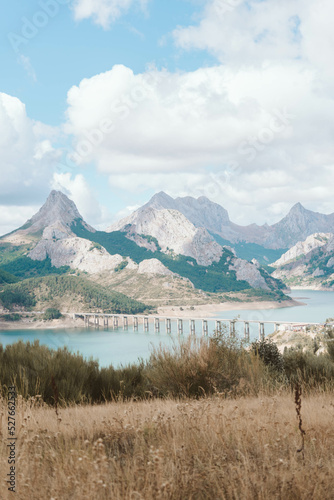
x: 121, y: 347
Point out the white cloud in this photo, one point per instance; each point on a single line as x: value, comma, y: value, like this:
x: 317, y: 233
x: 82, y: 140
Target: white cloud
x: 78, y: 190
x: 14, y: 216
x: 253, y: 32
x: 105, y: 12
x: 261, y: 119
x: 26, y: 154
x: 140, y: 128
x: 239, y: 31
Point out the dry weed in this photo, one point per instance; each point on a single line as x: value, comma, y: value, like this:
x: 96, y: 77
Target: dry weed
x: 162, y: 449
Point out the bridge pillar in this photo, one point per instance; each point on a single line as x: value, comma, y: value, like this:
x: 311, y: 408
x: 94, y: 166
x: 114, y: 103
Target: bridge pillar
x: 261, y: 331
x: 218, y: 330
x: 135, y: 323
x: 105, y: 321
x: 146, y: 324
x: 115, y: 322
x: 180, y: 326
x: 192, y: 327
x: 96, y: 321
x: 168, y: 325
x: 232, y: 328
x: 246, y: 331
x: 125, y: 322
x: 156, y: 325
x: 205, y: 329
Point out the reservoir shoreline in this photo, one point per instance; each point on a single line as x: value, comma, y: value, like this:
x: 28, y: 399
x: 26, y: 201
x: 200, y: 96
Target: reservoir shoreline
x: 203, y: 311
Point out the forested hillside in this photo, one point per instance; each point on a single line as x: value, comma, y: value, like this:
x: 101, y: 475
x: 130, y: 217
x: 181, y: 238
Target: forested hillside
x: 65, y: 292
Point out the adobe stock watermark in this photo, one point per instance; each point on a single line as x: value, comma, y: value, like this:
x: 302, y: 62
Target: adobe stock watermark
x: 223, y: 6
x: 30, y: 27
x: 278, y: 123
x: 248, y: 150
x: 118, y: 111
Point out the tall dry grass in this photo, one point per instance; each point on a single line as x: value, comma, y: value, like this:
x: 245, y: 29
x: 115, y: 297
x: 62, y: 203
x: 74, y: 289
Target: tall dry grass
x: 212, y: 448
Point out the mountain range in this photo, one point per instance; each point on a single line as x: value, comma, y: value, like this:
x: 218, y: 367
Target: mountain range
x: 172, y: 249
x: 168, y: 257
x: 296, y: 226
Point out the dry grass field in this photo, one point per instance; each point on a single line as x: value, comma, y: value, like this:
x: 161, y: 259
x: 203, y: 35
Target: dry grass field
x: 213, y: 448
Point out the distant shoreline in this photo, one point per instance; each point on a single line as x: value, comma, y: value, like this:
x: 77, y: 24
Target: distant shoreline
x: 203, y: 311
x: 209, y: 310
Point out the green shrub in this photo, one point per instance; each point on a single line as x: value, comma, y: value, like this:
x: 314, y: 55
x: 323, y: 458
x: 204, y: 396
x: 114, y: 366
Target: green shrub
x: 31, y: 366
x: 268, y: 351
x: 52, y: 313
x: 11, y: 317
x: 95, y: 245
x: 120, y: 266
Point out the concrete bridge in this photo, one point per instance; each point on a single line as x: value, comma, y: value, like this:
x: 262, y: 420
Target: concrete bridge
x: 164, y: 322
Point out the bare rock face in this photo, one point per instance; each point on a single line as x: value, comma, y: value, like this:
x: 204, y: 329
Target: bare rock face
x: 154, y: 266
x: 58, y: 208
x: 201, y: 211
x: 330, y: 263
x: 174, y: 232
x: 314, y: 269
x: 77, y: 253
x: 303, y: 247
x: 249, y: 272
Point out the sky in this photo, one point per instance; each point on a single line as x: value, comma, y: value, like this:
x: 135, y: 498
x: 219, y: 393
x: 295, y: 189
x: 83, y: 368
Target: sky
x: 111, y: 101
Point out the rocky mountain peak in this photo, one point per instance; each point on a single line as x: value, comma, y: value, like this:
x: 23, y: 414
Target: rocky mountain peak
x: 201, y: 211
x: 161, y: 200
x: 298, y: 208
x: 58, y: 210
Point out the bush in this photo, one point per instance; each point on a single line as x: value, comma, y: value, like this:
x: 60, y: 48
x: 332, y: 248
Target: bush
x: 11, y: 317
x: 330, y: 343
x: 121, y: 266
x: 31, y: 366
x: 196, y: 368
x: 52, y: 313
x: 268, y: 351
x: 193, y: 368
x: 308, y: 369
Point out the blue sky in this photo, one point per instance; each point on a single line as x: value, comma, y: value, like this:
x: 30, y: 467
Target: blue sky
x: 65, y: 51
x: 230, y: 99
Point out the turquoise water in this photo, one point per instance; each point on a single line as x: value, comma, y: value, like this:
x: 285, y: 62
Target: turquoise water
x: 121, y: 347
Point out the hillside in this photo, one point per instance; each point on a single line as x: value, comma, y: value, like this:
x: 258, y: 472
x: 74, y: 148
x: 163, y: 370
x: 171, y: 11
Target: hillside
x: 314, y: 269
x: 229, y: 274
x: 67, y: 293
x: 7, y: 278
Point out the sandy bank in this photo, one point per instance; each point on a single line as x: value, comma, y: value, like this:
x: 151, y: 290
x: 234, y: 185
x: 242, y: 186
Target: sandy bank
x: 29, y: 324
x: 208, y: 310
